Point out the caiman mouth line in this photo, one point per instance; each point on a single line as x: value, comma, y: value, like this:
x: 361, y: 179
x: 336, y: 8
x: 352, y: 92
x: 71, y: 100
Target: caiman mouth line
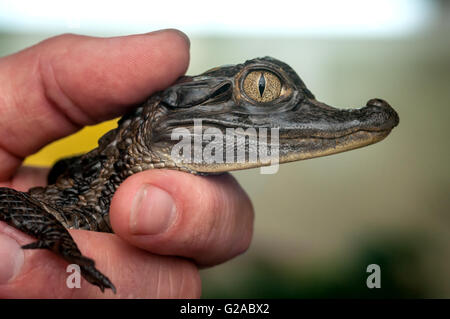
x: 316, y: 137
x: 222, y: 128
x: 306, y: 148
x: 334, y: 146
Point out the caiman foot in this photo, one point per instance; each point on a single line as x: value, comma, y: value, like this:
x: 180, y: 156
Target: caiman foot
x: 30, y: 216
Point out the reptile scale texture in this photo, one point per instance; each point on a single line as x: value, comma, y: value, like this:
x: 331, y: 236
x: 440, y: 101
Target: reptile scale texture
x: 260, y: 93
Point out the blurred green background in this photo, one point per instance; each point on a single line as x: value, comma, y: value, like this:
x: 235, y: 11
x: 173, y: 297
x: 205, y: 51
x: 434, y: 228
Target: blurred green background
x: 319, y: 223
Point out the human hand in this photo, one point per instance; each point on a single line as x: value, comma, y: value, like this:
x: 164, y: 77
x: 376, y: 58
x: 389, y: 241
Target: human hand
x: 56, y: 87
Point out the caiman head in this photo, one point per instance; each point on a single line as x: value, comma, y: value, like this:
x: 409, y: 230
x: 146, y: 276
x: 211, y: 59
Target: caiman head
x: 260, y: 98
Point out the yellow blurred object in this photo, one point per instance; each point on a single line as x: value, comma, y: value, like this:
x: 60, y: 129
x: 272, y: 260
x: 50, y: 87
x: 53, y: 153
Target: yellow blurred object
x: 80, y: 142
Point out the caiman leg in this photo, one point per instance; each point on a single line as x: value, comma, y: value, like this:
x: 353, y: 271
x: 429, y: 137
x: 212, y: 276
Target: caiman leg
x: 28, y: 215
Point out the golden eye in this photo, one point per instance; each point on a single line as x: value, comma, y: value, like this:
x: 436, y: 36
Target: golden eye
x: 262, y: 86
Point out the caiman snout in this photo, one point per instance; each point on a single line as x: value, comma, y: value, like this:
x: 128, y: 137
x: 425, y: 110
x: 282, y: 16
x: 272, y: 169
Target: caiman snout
x: 379, y: 115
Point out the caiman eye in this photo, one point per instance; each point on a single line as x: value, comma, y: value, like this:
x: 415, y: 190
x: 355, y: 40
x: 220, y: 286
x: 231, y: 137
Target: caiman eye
x: 262, y: 86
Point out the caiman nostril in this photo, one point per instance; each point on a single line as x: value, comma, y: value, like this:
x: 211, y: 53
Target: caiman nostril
x: 382, y: 112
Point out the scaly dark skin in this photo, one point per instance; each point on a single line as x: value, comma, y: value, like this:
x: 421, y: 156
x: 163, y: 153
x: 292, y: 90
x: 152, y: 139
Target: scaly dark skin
x: 260, y: 93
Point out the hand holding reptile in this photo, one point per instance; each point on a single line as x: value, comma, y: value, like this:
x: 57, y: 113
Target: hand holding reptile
x: 251, y: 98
x: 56, y: 87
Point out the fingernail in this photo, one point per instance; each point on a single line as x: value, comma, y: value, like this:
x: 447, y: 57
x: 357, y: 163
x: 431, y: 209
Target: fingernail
x: 184, y: 35
x: 11, y: 258
x: 152, y: 212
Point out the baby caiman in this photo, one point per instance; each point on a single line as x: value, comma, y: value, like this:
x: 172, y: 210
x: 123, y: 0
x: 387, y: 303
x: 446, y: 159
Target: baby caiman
x: 262, y: 93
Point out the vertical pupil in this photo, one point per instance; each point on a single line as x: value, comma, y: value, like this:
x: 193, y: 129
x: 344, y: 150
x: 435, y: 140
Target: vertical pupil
x: 261, y: 84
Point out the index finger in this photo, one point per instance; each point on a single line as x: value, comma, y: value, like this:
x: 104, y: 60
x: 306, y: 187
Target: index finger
x: 59, y: 85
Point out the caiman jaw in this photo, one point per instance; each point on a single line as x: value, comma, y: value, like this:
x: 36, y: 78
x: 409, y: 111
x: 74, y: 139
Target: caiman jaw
x: 316, y: 147
x: 364, y: 126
